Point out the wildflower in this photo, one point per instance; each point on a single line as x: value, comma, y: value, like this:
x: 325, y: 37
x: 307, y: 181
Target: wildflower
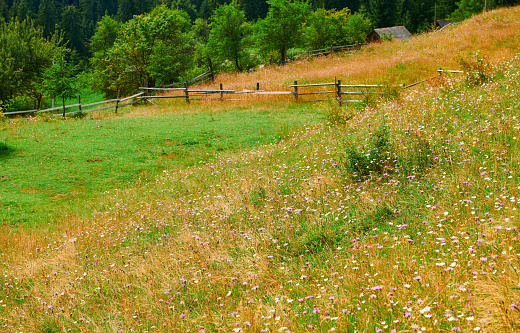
x: 425, y: 310
x: 316, y: 310
x: 456, y: 329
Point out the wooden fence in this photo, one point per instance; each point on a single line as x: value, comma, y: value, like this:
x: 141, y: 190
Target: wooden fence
x: 81, y: 107
x: 332, y: 49
x: 113, y: 103
x: 336, y: 91
x: 342, y: 93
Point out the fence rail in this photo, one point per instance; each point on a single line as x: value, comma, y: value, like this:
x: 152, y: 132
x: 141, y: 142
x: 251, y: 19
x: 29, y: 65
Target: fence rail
x: 332, y: 49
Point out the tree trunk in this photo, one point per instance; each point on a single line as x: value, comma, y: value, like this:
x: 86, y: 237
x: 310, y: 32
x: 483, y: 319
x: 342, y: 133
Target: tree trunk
x: 282, y: 53
x: 40, y: 96
x: 237, y: 65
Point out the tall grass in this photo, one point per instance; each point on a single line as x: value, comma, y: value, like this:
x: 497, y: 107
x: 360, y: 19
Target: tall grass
x: 283, y: 238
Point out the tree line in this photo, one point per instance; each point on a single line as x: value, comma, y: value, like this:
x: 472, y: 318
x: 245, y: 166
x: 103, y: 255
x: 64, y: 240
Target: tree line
x: 47, y: 46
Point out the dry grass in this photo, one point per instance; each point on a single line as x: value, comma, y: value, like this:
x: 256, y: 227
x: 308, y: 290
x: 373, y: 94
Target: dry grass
x: 283, y: 238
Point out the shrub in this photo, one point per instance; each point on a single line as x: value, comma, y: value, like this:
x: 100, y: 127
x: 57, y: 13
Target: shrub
x: 375, y: 157
x: 335, y: 115
x: 477, y: 69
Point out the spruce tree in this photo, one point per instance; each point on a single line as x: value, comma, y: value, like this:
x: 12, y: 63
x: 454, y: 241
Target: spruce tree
x: 4, y: 11
x: 73, y: 30
x: 47, y: 17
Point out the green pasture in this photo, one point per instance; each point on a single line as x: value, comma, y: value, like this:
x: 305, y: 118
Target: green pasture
x: 49, y: 168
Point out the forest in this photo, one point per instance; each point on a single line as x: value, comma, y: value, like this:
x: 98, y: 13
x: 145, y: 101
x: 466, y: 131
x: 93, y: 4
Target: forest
x: 54, y: 48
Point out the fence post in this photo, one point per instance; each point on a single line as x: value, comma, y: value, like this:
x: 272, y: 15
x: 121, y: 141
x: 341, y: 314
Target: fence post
x: 186, y: 93
x: 257, y: 86
x: 296, y: 91
x: 117, y: 102
x: 79, y: 102
x: 221, y: 92
x: 331, y: 50
x: 63, y: 99
x: 338, y: 91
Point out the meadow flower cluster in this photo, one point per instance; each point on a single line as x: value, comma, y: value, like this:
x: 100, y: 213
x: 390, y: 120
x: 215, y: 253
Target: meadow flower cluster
x: 282, y: 239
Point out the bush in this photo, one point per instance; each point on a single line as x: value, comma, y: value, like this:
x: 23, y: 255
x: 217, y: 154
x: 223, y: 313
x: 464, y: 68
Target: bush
x: 376, y: 157
x: 379, y: 157
x: 477, y: 69
x: 335, y: 115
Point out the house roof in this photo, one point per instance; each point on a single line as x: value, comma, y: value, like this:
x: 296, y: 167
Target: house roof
x: 442, y: 23
x: 399, y: 32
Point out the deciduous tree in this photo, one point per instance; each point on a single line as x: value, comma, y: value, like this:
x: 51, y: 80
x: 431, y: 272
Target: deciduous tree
x: 228, y: 36
x: 282, y: 28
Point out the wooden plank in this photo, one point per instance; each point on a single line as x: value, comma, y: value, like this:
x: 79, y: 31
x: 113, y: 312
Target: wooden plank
x: 313, y: 85
x: 319, y: 100
x: 18, y: 112
x: 126, y: 104
x: 127, y: 98
x: 360, y: 92
x: 169, y: 96
x: 318, y: 54
x: 274, y: 93
x: 101, y: 108
x: 317, y: 93
x: 363, y: 86
x: 162, y: 89
x: 212, y: 91
x: 249, y: 91
x: 416, y: 83
x: 449, y: 71
x: 199, y: 77
x: 59, y: 108
x: 102, y: 102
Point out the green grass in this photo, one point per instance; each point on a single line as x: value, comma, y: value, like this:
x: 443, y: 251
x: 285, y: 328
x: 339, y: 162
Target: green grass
x: 48, y: 168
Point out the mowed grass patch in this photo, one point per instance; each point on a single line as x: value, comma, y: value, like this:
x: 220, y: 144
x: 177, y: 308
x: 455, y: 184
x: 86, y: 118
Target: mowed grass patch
x: 48, y: 168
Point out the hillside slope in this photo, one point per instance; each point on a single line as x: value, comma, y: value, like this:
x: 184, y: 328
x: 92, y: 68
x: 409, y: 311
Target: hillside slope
x: 403, y: 218
x: 400, y: 62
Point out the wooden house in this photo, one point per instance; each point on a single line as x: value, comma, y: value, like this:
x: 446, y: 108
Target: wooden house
x: 381, y: 34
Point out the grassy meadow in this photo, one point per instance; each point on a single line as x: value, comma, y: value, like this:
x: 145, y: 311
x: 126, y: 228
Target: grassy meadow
x: 52, y: 165
x: 271, y: 216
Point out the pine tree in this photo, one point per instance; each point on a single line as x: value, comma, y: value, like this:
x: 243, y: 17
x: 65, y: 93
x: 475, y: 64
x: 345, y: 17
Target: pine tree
x: 126, y: 10
x: 47, y: 17
x: 73, y: 30
x: 383, y: 13
x: 21, y: 10
x: 4, y: 11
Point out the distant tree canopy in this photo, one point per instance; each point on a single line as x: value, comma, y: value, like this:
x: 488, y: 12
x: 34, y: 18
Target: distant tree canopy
x: 152, y: 48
